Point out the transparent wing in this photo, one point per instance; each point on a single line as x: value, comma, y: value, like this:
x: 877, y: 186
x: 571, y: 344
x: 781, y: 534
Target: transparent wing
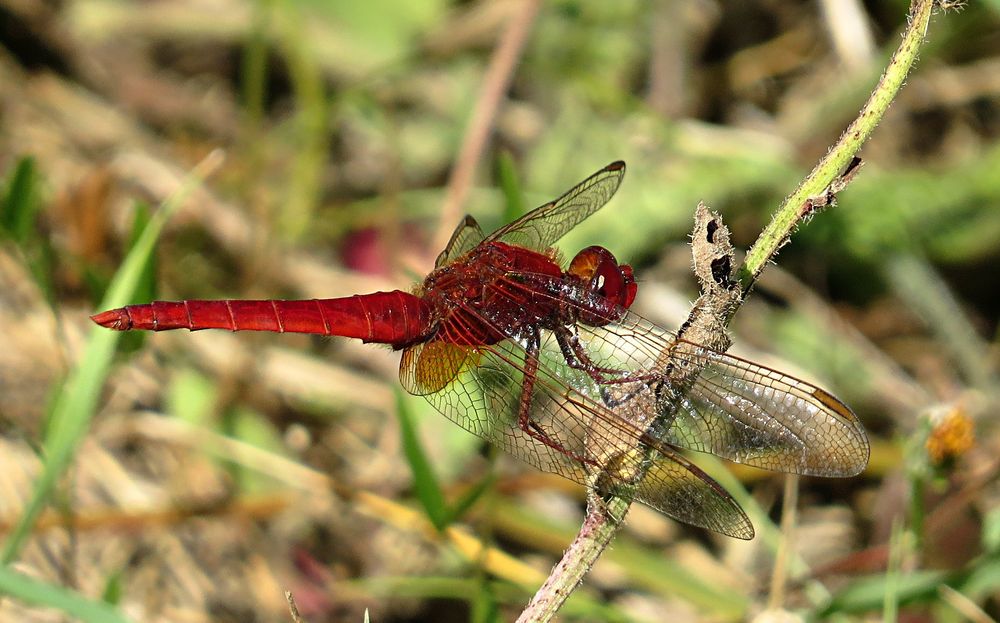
x: 484, y: 397
x: 543, y: 226
x: 601, y: 407
x: 466, y: 237
x: 751, y: 414
x: 735, y: 409
x: 679, y: 489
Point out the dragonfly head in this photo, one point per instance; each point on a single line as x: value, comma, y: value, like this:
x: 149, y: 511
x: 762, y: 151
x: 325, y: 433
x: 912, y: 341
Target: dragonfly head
x: 601, y: 274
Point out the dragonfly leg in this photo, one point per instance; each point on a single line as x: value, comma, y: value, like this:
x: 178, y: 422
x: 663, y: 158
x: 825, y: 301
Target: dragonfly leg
x: 524, y: 421
x: 577, y: 358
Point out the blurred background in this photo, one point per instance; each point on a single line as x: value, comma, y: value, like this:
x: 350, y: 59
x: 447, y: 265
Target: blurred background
x: 220, y: 470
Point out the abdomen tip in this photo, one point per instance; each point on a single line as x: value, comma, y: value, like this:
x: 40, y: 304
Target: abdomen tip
x: 115, y: 319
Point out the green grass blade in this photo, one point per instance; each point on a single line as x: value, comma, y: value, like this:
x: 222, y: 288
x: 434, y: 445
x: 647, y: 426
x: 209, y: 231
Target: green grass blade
x: 991, y: 532
x: 20, y: 203
x: 471, y: 496
x: 145, y: 287
x: 890, y: 601
x: 114, y: 587
x: 77, y: 400
x: 514, y: 207
x: 33, y: 591
x: 424, y: 481
x: 19, y: 207
x: 869, y: 594
x: 982, y: 581
x: 483, y: 604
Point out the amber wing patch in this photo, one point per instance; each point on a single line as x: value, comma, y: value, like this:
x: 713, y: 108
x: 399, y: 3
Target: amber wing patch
x: 429, y: 367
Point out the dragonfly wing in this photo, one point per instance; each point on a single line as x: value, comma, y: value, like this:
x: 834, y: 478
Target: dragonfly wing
x: 429, y: 367
x: 751, y: 414
x: 484, y: 398
x: 735, y: 409
x: 543, y: 226
x: 601, y: 408
x: 479, y: 388
x: 678, y: 488
x: 466, y: 237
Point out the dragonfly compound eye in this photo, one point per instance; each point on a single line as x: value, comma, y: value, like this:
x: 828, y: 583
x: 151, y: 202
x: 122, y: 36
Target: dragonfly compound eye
x: 598, y: 269
x: 600, y: 273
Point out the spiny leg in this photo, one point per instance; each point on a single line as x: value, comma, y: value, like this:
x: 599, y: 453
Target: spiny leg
x: 524, y: 421
x: 577, y: 358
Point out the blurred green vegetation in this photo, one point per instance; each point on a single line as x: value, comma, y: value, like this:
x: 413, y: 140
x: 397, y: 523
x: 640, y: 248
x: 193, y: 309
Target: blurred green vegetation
x: 341, y: 123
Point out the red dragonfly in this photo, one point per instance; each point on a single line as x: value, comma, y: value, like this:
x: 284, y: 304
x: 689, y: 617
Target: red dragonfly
x: 553, y: 367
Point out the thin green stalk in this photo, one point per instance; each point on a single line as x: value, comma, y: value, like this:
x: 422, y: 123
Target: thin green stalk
x: 897, y: 550
x: 779, y: 575
x: 925, y: 292
x: 312, y: 117
x: 254, y: 67
x: 253, y: 77
x: 796, y: 206
x: 917, y: 512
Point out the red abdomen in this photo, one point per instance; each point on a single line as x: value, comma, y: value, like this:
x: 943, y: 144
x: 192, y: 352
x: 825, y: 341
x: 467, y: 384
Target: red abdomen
x: 396, y: 317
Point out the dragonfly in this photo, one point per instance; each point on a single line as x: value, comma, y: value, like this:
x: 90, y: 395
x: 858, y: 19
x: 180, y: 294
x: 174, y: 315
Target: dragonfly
x: 552, y: 365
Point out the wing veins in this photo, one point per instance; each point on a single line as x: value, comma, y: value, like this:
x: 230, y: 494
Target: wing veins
x: 543, y: 226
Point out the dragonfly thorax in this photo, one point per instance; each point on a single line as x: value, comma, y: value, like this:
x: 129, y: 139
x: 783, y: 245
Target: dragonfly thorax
x: 492, y: 293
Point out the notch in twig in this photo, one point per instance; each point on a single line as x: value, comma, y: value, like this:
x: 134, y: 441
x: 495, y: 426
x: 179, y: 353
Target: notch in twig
x: 828, y: 198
